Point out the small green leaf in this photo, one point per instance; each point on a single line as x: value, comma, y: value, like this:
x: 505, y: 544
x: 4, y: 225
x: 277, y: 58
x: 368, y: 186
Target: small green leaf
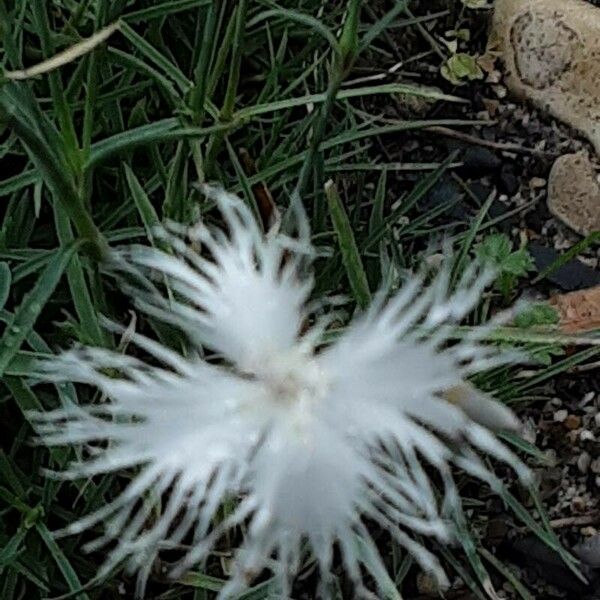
x: 497, y: 251
x: 518, y: 263
x: 461, y: 67
x: 494, y: 248
x: 536, y: 315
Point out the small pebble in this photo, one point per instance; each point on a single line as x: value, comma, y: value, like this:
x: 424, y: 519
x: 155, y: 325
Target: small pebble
x: 586, y: 436
x: 537, y: 182
x: 573, y: 422
x: 595, y: 467
x: 583, y: 462
x: 586, y: 399
x: 561, y: 415
x: 578, y: 504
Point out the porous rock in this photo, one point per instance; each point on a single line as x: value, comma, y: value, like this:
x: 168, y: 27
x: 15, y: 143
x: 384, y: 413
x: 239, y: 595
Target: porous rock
x: 574, y: 193
x: 551, y: 52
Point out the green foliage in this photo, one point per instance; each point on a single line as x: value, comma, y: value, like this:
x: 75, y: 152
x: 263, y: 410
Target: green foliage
x: 537, y: 315
x: 511, y: 265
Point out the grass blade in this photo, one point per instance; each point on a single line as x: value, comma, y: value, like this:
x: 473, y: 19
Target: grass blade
x: 350, y: 255
x: 5, y: 281
x: 29, y: 310
x: 61, y: 560
x: 142, y: 202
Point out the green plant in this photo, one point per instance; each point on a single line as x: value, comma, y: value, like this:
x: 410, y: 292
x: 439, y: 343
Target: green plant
x: 511, y: 265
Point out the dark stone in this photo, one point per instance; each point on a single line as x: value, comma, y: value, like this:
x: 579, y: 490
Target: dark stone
x: 498, y: 210
x: 573, y: 275
x: 480, y: 160
x: 530, y: 552
x: 444, y: 191
x: 508, y: 182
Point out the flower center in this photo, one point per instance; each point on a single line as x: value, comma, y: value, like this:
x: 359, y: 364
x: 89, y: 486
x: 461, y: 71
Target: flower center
x: 294, y: 380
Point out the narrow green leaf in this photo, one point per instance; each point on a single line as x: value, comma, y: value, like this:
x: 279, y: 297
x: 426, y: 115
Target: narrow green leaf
x: 226, y: 114
x: 300, y: 18
x: 350, y: 255
x: 197, y: 99
x: 469, y: 238
x: 162, y: 10
x: 176, y: 192
x: 24, y: 364
x: 51, y: 167
x: 170, y: 94
x: 462, y: 572
x: 376, y: 219
x: 29, y: 310
x: 160, y: 131
x: 85, y: 307
x: 466, y: 540
x: 18, y: 182
x: 142, y: 202
x: 16, y: 480
x: 12, y: 549
x: 5, y: 281
x: 61, y: 560
x: 359, y: 92
x: 155, y: 57
x: 380, y: 26
x: 418, y: 191
x: 60, y: 104
x: 507, y: 573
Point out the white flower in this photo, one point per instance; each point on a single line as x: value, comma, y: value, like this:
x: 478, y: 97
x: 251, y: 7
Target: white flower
x: 308, y: 442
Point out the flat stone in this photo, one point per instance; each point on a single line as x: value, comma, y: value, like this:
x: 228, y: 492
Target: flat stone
x: 573, y: 275
x: 574, y: 193
x: 551, y: 52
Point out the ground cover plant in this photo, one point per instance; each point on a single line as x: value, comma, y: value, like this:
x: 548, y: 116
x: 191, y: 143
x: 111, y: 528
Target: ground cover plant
x: 286, y: 104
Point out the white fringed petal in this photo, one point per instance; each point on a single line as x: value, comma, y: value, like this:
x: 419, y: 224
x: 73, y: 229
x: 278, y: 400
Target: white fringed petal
x: 243, y: 301
x: 310, y: 444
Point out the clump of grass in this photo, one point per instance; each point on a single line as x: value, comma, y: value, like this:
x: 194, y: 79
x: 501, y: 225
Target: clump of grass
x: 114, y: 140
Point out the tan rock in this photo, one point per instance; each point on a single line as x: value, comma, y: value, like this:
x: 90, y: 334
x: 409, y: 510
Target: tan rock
x: 578, y: 311
x: 574, y: 192
x: 551, y: 51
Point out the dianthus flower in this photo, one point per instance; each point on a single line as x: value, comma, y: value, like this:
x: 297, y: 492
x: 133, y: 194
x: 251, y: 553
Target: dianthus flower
x: 305, y: 442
